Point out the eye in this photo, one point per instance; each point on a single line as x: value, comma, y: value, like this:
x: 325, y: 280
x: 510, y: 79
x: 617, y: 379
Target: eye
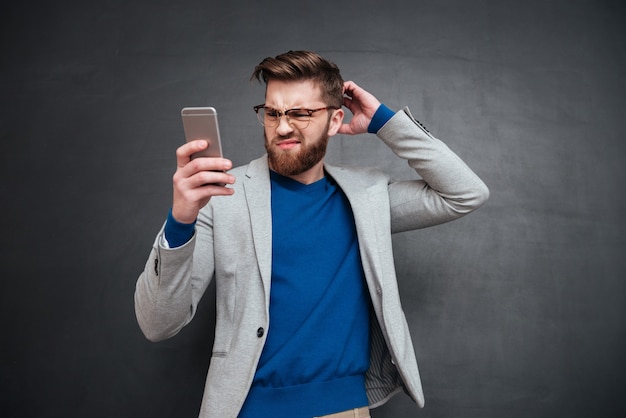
x: 298, y: 114
x: 271, y: 113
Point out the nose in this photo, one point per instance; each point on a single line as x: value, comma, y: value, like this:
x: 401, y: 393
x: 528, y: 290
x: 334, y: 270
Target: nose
x: 284, y: 127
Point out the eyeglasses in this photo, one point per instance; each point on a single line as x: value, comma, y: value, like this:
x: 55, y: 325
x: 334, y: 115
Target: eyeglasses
x: 300, y: 118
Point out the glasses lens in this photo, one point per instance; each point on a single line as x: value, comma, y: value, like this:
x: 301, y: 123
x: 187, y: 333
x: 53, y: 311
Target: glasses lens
x: 271, y: 118
x: 299, y: 117
x: 260, y: 114
x: 268, y: 116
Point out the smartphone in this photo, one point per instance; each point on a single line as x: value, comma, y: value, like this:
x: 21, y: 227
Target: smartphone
x: 201, y: 123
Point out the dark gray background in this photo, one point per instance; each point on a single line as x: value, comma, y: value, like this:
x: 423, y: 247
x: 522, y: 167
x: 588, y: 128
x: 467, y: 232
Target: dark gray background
x: 516, y: 311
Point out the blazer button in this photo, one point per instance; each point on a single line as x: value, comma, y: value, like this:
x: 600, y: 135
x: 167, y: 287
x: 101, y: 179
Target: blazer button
x: 260, y: 332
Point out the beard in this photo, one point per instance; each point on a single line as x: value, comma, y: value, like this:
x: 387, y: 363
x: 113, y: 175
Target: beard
x: 291, y: 163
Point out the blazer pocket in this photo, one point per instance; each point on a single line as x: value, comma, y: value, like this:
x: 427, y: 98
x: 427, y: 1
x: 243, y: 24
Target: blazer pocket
x: 225, y: 311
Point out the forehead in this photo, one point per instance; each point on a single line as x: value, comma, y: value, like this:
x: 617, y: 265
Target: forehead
x: 289, y: 94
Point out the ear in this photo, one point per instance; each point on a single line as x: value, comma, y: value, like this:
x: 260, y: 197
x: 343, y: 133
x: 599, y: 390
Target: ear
x: 336, y: 119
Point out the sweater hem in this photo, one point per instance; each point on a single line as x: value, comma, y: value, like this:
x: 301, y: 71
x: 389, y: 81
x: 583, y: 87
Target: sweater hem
x: 306, y: 400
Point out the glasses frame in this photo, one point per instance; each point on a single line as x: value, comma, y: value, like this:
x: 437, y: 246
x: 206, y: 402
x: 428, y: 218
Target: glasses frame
x: 281, y: 113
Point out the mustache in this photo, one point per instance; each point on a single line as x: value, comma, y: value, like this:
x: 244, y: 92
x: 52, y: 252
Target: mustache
x: 278, y: 138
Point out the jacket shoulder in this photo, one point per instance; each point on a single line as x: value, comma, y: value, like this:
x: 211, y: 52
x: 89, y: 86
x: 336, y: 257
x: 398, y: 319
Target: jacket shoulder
x: 364, y: 176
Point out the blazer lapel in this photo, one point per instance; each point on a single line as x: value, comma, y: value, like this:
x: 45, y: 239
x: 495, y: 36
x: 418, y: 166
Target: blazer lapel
x: 256, y: 185
x: 366, y: 218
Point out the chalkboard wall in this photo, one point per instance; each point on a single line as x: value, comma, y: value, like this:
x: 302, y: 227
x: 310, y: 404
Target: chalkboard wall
x: 517, y: 310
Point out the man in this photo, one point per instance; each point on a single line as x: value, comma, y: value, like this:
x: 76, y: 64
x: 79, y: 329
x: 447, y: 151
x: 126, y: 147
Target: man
x: 308, y: 315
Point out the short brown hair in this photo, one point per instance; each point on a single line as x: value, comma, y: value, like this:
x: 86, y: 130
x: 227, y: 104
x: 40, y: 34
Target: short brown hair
x: 301, y: 66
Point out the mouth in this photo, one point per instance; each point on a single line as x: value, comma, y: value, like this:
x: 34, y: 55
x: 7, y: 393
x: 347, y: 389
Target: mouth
x: 288, y: 144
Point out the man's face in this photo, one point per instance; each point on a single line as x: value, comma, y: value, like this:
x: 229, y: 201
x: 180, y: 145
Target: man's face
x: 291, y: 150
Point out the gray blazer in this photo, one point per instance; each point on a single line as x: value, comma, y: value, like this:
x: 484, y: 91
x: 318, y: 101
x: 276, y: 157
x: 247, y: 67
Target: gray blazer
x: 233, y: 244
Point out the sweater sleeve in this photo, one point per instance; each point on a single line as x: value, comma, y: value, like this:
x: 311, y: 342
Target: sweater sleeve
x: 177, y: 233
x: 382, y: 116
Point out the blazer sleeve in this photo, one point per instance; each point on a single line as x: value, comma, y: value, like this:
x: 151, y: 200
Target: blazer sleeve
x: 448, y: 188
x: 173, y: 281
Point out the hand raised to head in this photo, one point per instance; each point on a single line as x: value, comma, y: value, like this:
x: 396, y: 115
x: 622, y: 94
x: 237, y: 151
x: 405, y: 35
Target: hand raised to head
x: 362, y: 104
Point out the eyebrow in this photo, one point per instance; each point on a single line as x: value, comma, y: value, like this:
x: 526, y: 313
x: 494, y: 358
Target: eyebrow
x: 295, y: 107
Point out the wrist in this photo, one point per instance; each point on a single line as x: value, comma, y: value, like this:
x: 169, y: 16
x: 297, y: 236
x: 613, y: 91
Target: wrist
x: 183, y: 213
x: 381, y: 116
x: 176, y: 232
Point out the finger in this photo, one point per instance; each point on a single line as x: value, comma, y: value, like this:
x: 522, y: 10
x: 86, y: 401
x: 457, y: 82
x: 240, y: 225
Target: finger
x: 200, y: 172
x: 184, y: 152
x: 349, y: 88
x: 205, y: 178
x: 201, y: 195
x: 210, y: 164
x: 202, y: 164
x: 348, y: 103
x: 201, y: 178
x: 217, y: 190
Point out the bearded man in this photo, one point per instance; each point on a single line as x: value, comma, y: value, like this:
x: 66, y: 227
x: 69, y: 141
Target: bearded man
x: 308, y: 315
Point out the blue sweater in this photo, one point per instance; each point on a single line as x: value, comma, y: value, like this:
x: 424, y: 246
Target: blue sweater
x: 317, y: 350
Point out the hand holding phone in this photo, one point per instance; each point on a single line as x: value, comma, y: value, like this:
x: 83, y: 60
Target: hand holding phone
x: 195, y: 184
